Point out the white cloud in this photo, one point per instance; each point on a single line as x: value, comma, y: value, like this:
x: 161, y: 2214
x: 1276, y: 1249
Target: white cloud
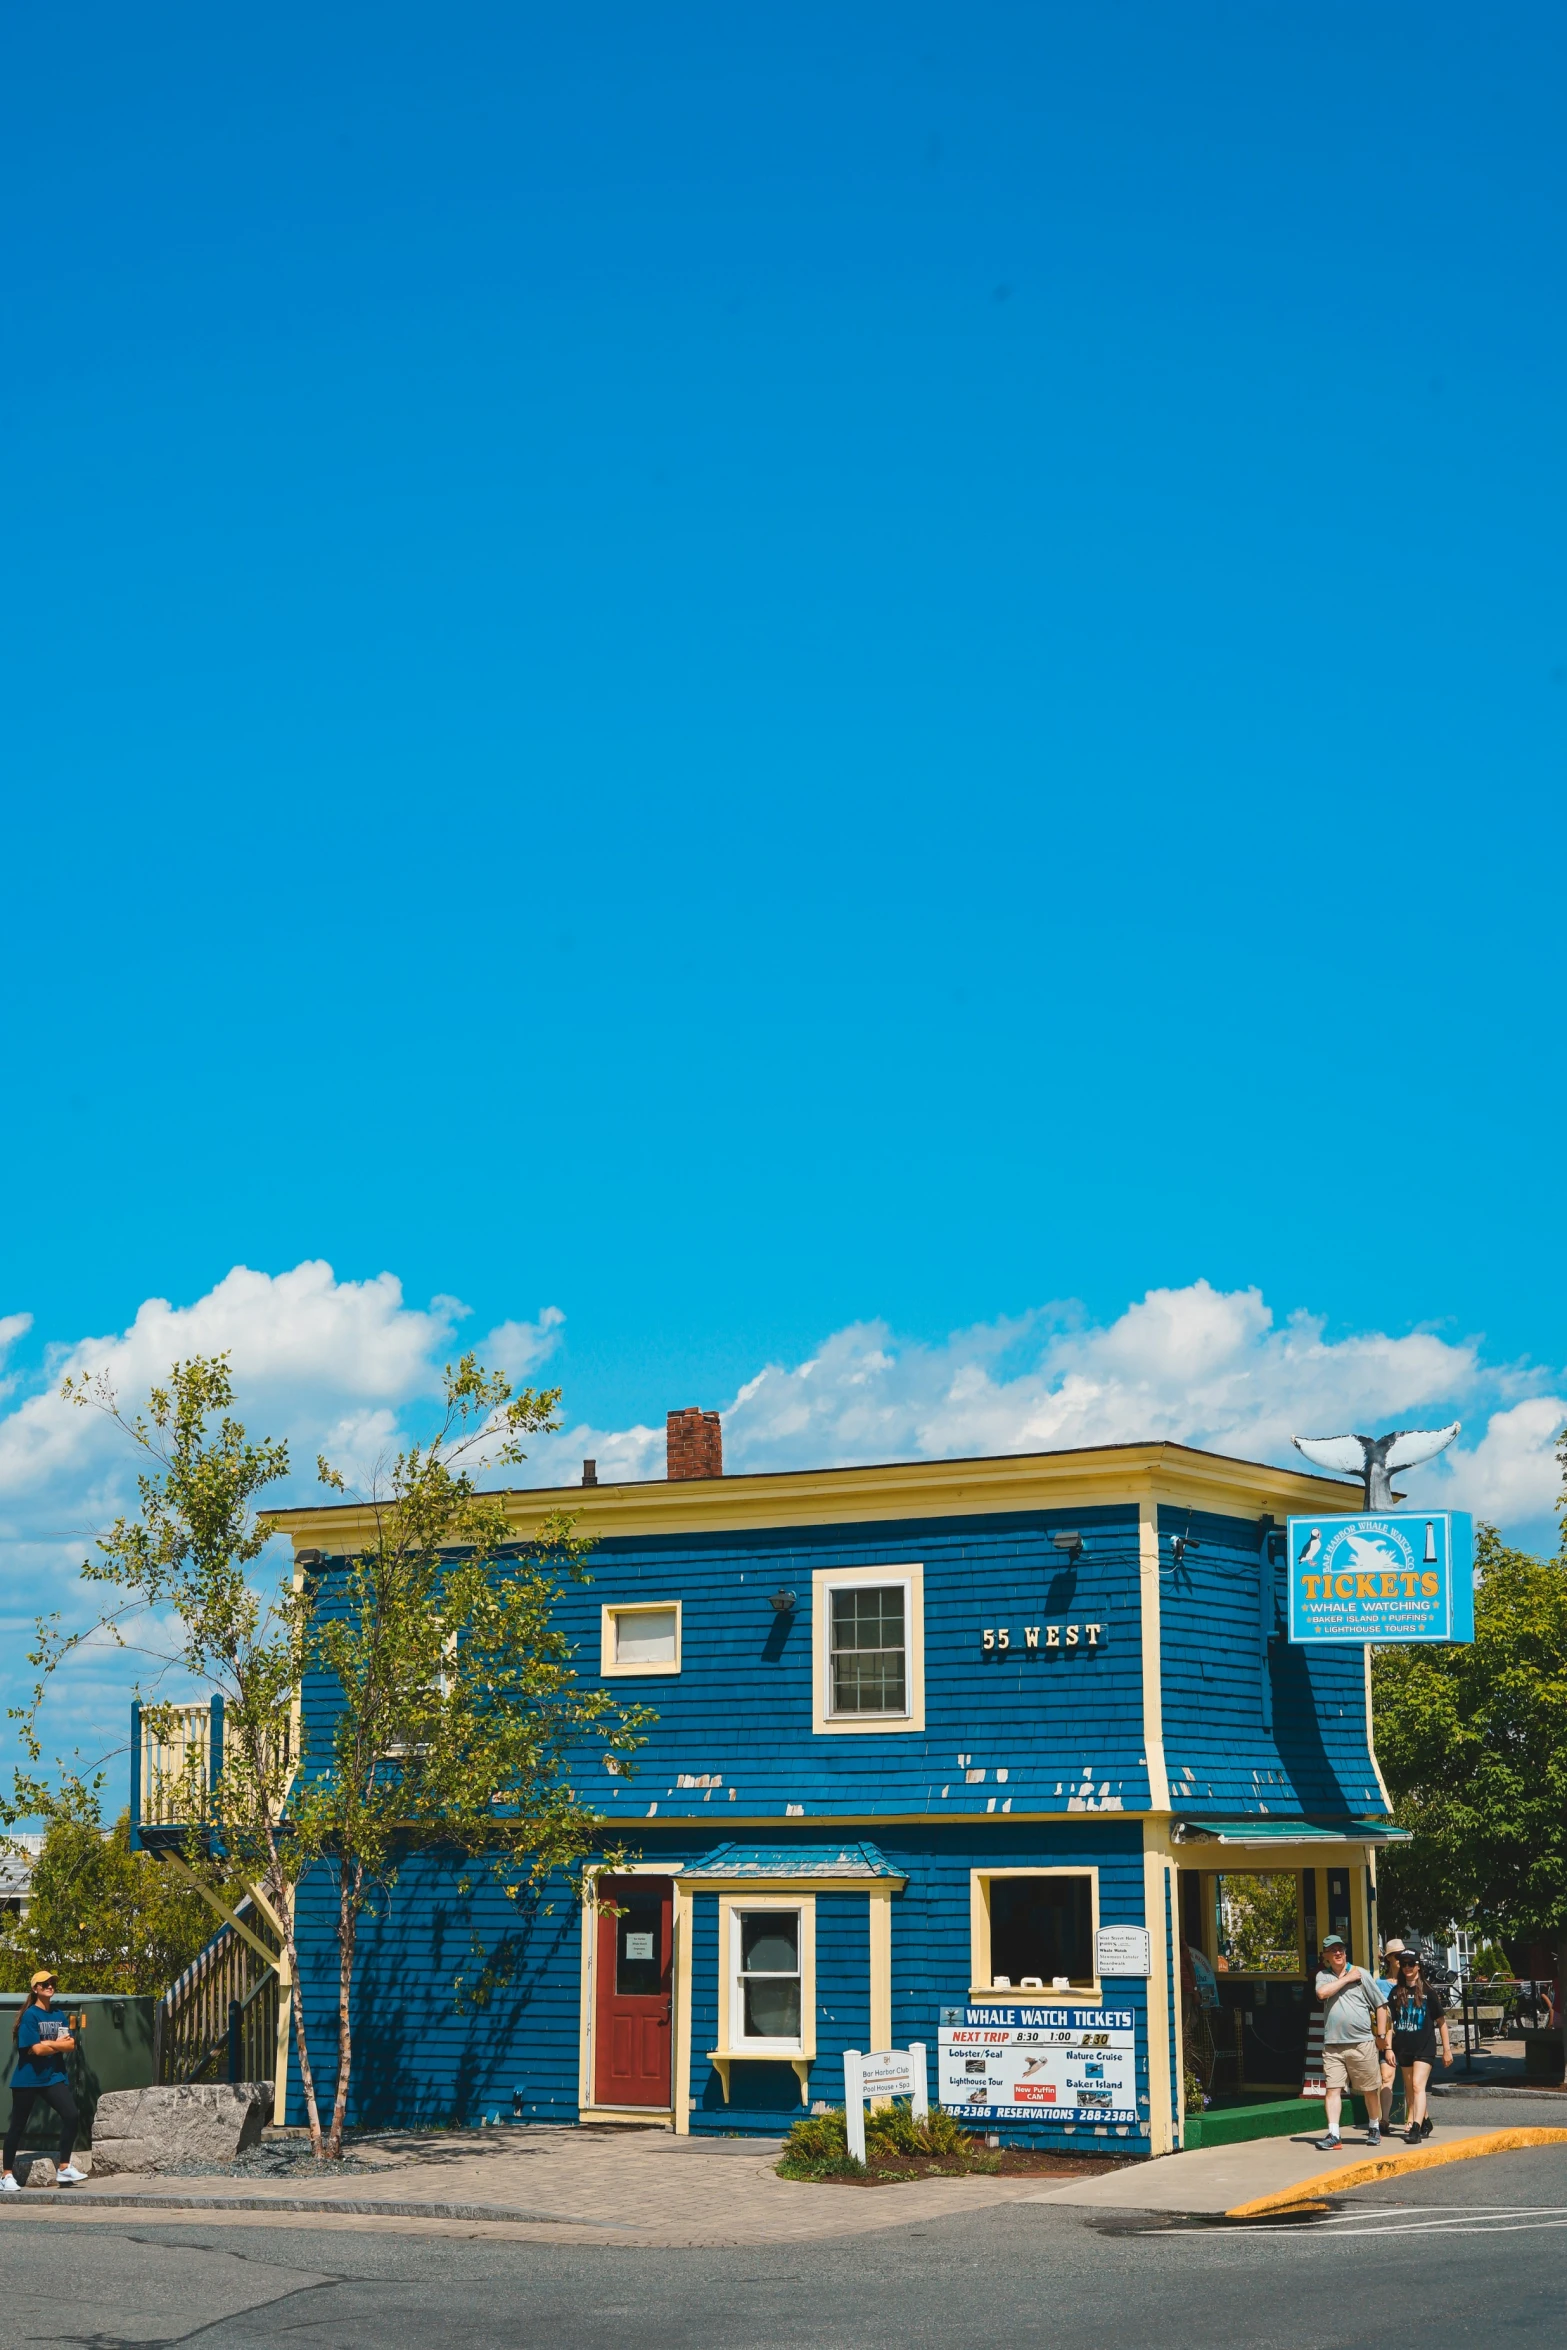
x: 1196, y: 1366
x: 341, y: 1367
x: 332, y: 1366
x: 1512, y: 1476
x: 12, y: 1327
x: 312, y: 1355
x: 518, y: 1348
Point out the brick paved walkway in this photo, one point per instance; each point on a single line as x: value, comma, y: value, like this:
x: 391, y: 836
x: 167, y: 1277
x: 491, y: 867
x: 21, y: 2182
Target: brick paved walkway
x: 637, y: 2187
x: 646, y: 2187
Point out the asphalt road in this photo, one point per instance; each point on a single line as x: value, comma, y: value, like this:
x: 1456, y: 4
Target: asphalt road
x: 1473, y: 2252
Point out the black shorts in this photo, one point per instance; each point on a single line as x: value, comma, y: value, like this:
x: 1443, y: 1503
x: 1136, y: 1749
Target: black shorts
x: 1414, y: 2048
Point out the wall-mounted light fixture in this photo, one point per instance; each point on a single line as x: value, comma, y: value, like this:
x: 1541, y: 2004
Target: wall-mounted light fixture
x: 1180, y: 1544
x: 1071, y: 1542
x: 783, y: 1602
x: 310, y: 1558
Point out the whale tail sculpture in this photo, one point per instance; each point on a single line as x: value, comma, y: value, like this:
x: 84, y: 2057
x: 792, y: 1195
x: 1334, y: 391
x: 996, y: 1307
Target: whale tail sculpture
x: 1377, y: 1459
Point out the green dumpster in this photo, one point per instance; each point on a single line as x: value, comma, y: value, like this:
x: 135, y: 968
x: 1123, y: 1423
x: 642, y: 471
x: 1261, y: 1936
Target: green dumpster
x: 115, y: 2053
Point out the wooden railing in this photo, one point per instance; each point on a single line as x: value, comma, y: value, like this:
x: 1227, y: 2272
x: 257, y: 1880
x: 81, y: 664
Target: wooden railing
x: 222, y: 2012
x: 176, y: 1756
x: 172, y: 1773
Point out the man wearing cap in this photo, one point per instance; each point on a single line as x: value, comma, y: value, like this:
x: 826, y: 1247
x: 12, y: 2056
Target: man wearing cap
x: 1352, y: 2039
x: 41, y: 2041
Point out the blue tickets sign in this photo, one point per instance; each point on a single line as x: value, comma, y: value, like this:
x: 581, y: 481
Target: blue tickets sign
x: 1398, y: 1577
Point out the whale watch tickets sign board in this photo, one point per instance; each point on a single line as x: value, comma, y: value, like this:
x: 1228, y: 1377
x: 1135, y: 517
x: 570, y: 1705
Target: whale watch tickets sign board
x: 1402, y: 1576
x: 1039, y: 2064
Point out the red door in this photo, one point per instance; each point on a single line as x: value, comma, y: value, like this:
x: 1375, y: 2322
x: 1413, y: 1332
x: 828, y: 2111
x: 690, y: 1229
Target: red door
x: 632, y: 2007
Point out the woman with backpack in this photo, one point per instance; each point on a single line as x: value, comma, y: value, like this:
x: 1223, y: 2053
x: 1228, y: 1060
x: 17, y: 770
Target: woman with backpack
x: 41, y: 2041
x: 1419, y: 2016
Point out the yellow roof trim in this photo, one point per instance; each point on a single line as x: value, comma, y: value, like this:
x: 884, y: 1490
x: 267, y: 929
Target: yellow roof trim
x: 1095, y: 1477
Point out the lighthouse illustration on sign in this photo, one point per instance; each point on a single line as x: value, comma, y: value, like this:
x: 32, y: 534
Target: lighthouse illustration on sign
x: 1388, y: 1577
x: 1383, y: 1575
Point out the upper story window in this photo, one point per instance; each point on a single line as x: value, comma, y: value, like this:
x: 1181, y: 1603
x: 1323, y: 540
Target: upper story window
x: 642, y: 1636
x: 869, y: 1655
x: 868, y: 1636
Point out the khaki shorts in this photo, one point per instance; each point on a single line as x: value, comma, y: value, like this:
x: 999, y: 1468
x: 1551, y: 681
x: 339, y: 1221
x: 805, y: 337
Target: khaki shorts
x: 1355, y: 2065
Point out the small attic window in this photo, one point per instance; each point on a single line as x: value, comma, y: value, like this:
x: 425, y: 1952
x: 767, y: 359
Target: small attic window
x: 641, y: 1637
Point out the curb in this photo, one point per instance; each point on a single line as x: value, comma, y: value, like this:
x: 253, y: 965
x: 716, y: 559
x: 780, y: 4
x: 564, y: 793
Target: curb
x: 1386, y: 2166
x: 357, y: 2207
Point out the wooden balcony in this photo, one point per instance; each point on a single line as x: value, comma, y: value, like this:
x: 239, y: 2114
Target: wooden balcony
x: 173, y: 1770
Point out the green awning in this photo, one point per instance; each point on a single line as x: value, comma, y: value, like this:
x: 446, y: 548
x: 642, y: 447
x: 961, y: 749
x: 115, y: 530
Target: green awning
x: 795, y: 1860
x: 1277, y: 1831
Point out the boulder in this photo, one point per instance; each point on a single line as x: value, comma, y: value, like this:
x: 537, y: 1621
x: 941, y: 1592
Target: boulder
x: 40, y: 2172
x: 164, y: 2129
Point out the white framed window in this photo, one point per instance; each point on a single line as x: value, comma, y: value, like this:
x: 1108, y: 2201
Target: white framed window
x: 639, y: 1636
x: 868, y: 1642
x: 1033, y: 1931
x: 771, y: 1963
x: 440, y: 1690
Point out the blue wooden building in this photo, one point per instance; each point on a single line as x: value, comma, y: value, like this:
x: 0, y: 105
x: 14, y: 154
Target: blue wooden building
x: 936, y: 1741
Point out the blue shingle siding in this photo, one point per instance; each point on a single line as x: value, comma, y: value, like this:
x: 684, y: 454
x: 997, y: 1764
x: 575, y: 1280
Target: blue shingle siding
x: 431, y: 2044
x: 1220, y: 1749
x: 435, y: 2042
x: 739, y: 1710
x: 766, y: 2097
x: 425, y: 2052
x: 930, y: 1922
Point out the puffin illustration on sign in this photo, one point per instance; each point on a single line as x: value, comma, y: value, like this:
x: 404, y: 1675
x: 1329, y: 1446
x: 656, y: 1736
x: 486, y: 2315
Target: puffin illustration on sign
x: 1391, y: 1577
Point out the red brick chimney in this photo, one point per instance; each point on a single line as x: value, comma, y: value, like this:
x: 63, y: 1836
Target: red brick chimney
x: 694, y: 1444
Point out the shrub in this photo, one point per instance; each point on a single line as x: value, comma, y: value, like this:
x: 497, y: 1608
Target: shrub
x: 895, y: 2131
x: 817, y: 2146
x: 819, y: 2137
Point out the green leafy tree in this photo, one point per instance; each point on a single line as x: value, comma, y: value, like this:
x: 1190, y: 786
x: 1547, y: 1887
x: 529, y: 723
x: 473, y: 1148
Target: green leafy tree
x: 1261, y: 1922
x: 457, y: 1702
x: 449, y: 1687
x: 108, y: 1918
x: 1472, y: 1740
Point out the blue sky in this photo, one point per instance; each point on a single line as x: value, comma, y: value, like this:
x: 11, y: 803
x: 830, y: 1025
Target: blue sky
x: 758, y: 674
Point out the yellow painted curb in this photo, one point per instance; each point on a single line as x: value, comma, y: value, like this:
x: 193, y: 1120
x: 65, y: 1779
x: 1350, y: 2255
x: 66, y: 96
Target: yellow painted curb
x: 1386, y: 2166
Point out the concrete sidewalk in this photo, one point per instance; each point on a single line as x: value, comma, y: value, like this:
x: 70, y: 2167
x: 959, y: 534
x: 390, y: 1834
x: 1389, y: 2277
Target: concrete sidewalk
x: 1220, y: 2177
x: 635, y: 2187
x: 647, y: 2187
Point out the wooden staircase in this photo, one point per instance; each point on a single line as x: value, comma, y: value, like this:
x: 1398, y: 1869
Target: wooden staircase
x: 219, y: 2021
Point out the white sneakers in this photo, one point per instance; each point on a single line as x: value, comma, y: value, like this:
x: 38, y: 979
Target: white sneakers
x: 9, y: 2185
x: 70, y: 2176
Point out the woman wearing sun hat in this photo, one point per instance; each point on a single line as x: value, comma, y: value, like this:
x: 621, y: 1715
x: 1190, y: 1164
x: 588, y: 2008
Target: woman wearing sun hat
x: 41, y: 2042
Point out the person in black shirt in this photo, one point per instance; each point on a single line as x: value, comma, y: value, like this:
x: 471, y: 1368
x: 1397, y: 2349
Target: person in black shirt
x: 1419, y: 2016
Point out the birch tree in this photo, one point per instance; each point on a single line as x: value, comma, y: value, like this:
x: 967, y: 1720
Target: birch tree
x: 430, y: 1654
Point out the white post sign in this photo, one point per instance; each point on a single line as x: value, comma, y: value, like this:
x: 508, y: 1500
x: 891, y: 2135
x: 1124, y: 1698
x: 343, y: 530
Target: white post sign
x: 886, y: 2072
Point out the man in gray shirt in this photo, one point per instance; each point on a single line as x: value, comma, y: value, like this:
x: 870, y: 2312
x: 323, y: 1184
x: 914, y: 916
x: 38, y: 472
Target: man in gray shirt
x: 1352, y: 2038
